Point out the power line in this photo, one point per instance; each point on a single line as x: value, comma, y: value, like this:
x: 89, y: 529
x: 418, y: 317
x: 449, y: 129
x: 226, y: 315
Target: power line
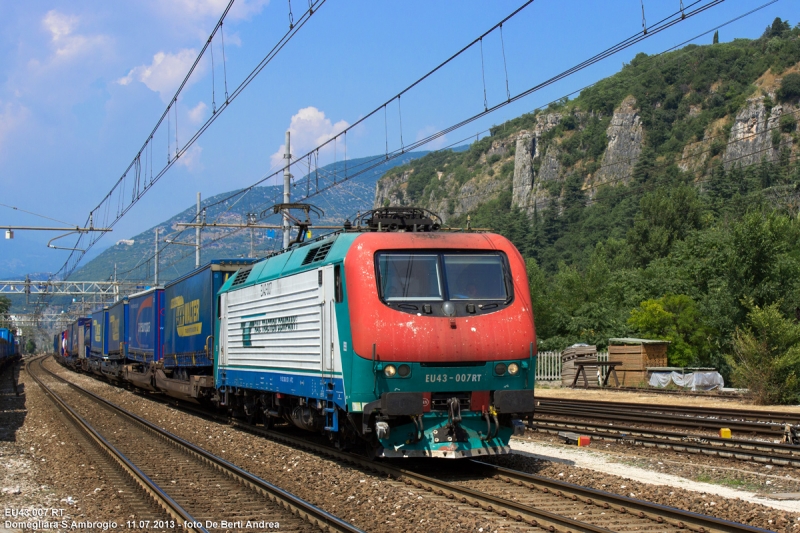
x: 143, y: 187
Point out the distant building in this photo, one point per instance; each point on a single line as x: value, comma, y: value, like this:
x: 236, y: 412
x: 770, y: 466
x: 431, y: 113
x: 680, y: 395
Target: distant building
x: 129, y: 242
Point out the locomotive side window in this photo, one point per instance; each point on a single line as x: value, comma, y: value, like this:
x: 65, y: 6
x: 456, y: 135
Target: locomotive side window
x: 475, y: 277
x: 337, y: 284
x: 409, y: 276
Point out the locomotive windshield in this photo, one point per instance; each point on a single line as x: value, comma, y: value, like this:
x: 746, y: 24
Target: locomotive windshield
x: 409, y: 276
x: 474, y: 277
x: 438, y: 276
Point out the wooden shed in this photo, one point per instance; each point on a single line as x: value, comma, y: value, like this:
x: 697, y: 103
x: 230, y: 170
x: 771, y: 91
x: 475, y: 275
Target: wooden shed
x: 636, y: 356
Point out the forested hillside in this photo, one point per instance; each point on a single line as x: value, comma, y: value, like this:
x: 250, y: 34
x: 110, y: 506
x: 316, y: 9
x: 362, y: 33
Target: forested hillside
x: 662, y: 202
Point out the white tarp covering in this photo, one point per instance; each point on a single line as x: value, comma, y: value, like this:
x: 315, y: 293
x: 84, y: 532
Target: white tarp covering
x: 693, y: 380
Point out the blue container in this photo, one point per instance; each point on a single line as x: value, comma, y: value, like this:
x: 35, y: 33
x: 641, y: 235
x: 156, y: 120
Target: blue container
x: 145, y: 326
x: 72, y: 339
x: 190, y: 308
x: 79, y: 337
x: 6, y: 347
x: 99, y: 339
x: 116, y: 332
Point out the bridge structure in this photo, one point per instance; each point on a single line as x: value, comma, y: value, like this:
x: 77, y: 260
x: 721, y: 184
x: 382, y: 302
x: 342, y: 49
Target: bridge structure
x: 100, y: 289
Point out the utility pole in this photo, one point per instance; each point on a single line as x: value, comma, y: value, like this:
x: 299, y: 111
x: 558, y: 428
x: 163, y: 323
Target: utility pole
x: 197, y: 236
x: 251, y: 219
x: 286, y: 192
x: 155, y: 281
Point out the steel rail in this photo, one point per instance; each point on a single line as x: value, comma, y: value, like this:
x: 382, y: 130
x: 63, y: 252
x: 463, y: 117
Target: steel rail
x: 500, y: 506
x: 771, y: 429
x: 160, y: 497
x: 752, y: 415
x: 623, y: 504
x: 517, y: 511
x: 741, y: 449
x: 295, y: 504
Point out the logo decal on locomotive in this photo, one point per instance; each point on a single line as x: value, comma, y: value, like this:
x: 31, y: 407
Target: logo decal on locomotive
x: 187, y: 316
x: 267, y: 325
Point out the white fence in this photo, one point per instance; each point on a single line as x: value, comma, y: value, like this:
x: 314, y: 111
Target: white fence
x: 548, y: 367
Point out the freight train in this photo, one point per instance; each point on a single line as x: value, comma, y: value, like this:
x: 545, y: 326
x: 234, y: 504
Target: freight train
x: 9, y: 346
x: 391, y: 336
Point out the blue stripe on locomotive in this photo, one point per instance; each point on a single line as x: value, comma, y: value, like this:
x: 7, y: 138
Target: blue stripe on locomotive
x: 145, y: 329
x: 273, y: 380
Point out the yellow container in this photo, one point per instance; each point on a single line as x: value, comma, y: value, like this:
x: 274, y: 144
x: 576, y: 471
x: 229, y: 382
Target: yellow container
x: 724, y: 433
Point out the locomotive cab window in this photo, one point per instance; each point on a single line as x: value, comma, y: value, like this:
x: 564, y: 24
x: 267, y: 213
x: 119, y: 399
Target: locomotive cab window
x: 409, y: 276
x: 482, y: 277
x: 475, y: 277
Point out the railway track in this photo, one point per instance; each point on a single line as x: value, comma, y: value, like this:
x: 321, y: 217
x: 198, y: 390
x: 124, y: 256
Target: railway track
x: 557, y: 416
x: 769, y: 423
x: 530, y: 500
x: 196, y: 489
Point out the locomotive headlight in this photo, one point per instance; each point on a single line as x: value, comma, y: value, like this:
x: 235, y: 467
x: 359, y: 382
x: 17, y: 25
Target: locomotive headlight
x: 404, y: 370
x: 513, y: 368
x: 500, y: 369
x: 389, y: 371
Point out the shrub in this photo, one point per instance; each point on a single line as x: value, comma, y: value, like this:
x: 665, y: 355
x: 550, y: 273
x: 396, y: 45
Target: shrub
x: 790, y: 88
x: 766, y: 357
x: 788, y: 123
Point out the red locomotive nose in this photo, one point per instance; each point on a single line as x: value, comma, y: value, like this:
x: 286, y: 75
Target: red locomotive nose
x: 438, y: 329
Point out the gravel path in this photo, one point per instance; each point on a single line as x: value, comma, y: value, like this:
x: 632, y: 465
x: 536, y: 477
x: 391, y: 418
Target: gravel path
x: 46, y: 467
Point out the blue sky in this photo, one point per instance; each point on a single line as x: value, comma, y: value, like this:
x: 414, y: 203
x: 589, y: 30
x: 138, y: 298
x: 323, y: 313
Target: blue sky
x: 82, y: 83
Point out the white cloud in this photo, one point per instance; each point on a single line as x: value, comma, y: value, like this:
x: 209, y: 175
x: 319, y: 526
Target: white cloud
x: 165, y: 73
x: 435, y: 144
x: 191, y: 158
x: 243, y: 9
x: 67, y: 44
x: 198, y: 113
x: 309, y: 128
x: 11, y: 117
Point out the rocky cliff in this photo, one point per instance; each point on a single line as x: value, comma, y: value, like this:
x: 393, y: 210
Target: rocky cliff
x: 688, y: 115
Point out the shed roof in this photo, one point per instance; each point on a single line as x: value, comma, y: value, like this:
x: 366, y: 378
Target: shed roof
x: 629, y: 340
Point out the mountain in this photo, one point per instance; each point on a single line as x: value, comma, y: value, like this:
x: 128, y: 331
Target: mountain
x: 662, y: 202
x: 133, y: 258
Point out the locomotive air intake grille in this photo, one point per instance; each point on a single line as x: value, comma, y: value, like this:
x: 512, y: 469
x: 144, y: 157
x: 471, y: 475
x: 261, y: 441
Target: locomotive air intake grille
x: 241, y: 277
x: 317, y: 254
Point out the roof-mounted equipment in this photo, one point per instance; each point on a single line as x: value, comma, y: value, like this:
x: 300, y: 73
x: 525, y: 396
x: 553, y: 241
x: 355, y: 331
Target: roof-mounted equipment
x: 411, y: 219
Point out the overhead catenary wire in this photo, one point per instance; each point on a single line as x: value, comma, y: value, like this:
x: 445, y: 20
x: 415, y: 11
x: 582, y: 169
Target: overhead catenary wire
x: 665, y: 23
x: 73, y: 259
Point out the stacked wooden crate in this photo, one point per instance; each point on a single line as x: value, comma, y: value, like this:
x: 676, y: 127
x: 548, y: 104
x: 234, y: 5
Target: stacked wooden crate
x: 636, y: 356
x: 574, y: 353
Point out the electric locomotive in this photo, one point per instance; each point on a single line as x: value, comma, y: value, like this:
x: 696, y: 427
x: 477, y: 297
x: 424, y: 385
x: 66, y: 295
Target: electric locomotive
x: 391, y: 334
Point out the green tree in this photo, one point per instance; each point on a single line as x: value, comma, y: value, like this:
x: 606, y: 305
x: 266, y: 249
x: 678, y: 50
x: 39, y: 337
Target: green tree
x: 789, y: 90
x: 666, y: 216
x: 766, y: 356
x: 5, y: 306
x: 30, y: 346
x: 675, y: 318
x: 777, y: 29
x: 716, y: 38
